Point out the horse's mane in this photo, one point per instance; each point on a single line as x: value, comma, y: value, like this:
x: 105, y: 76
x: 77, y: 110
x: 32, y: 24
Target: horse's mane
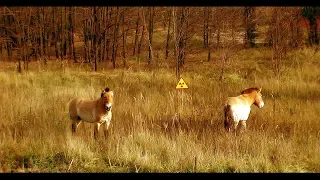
x: 250, y: 90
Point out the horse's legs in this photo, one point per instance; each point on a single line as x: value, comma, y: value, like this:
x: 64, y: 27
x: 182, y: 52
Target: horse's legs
x: 227, y: 125
x: 243, y: 125
x: 106, y: 129
x: 75, y: 124
x: 96, y: 130
x: 235, y: 124
x: 227, y: 118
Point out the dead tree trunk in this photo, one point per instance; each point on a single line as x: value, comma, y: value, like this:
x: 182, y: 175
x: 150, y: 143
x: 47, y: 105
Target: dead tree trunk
x: 141, y: 40
x: 108, y: 33
x: 124, y: 36
x: 95, y: 33
x: 250, y: 27
x: 102, y: 39
x: 205, y: 27
x: 71, y: 32
x: 168, y: 33
x: 180, y: 40
x: 151, y: 15
x: 180, y: 30
x: 136, y: 34
x: 55, y: 32
x: 62, y: 42
x: 115, y: 39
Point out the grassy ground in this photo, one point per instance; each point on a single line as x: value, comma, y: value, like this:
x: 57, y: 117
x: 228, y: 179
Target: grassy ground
x: 156, y: 128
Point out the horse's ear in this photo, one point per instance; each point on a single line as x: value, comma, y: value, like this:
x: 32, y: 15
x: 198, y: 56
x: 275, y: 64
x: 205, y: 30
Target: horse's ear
x: 260, y: 89
x: 112, y: 93
x: 103, y: 91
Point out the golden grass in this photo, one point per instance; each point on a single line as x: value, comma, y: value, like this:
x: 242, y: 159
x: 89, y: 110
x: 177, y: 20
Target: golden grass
x: 154, y: 127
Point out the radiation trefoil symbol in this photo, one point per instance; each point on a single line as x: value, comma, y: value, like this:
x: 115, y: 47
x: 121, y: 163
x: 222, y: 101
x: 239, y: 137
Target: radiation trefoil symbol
x: 181, y: 84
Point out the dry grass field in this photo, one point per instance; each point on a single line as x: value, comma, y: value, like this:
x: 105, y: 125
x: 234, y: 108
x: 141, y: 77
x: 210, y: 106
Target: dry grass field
x: 156, y: 128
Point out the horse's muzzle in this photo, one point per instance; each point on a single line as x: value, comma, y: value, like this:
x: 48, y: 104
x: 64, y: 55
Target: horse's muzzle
x: 261, y: 104
x: 108, y: 107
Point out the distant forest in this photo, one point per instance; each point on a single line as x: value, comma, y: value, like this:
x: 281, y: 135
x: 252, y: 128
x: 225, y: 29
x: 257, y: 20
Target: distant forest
x: 98, y: 33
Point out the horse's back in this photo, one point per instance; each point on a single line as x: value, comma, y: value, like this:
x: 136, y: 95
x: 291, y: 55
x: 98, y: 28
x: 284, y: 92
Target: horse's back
x: 238, y: 100
x: 84, y: 109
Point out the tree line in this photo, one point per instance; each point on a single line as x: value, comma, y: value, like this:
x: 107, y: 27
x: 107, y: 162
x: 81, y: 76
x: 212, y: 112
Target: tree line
x: 95, y: 34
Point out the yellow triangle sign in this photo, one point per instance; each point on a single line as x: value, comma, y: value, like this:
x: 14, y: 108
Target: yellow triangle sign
x: 181, y: 84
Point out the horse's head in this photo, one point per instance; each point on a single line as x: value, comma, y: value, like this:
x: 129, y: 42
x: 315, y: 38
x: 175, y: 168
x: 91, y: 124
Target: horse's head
x: 107, y: 98
x: 258, y: 101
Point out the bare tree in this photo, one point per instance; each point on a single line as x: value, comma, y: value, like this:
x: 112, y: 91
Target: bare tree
x: 180, y: 31
x: 8, y: 21
x: 296, y: 32
x: 136, y: 34
x: 124, y: 37
x: 151, y: 17
x: 206, y: 16
x: 207, y: 30
x: 142, y: 35
x: 279, y: 36
x: 168, y: 33
x: 311, y: 13
x: 217, y: 14
x: 63, y: 49
x: 250, y: 26
x: 96, y: 32
x: 55, y: 31
x: 115, y: 38
x: 71, y: 32
x: 150, y: 32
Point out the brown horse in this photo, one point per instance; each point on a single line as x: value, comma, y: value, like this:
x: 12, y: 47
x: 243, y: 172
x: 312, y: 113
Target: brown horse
x: 92, y: 111
x: 237, y: 109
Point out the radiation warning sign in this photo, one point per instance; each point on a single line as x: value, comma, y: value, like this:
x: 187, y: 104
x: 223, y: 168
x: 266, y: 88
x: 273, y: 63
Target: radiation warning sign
x: 181, y: 84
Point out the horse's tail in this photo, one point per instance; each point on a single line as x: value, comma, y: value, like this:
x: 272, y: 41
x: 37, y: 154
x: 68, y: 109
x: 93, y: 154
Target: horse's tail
x: 71, y: 108
x: 227, y: 109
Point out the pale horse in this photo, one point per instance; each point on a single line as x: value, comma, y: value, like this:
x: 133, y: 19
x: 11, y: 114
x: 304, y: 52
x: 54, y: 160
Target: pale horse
x: 92, y: 111
x: 237, y: 109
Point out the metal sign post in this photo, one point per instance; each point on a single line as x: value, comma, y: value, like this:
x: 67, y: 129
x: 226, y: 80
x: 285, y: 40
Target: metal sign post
x: 180, y: 86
